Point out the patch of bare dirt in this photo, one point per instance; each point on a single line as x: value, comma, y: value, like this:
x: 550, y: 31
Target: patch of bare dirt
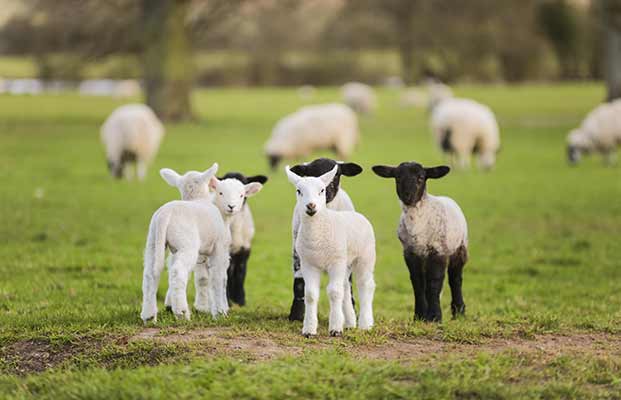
x: 32, y: 356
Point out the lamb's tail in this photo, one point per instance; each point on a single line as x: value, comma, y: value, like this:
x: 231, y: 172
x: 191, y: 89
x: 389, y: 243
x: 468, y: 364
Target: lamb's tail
x: 154, y: 259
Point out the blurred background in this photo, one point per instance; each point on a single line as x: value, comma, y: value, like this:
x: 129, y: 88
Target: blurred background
x: 164, y: 48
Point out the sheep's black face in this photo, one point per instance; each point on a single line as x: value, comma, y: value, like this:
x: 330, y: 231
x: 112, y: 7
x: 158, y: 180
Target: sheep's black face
x: 115, y: 170
x: 411, y: 179
x: 573, y: 155
x: 273, y: 161
x: 320, y: 166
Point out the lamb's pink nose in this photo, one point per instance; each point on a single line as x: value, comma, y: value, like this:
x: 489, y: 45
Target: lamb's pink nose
x: 311, y: 206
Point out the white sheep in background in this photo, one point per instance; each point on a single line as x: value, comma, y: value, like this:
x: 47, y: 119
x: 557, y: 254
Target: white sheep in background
x: 437, y: 92
x: 331, y: 241
x: 229, y: 194
x: 336, y: 199
x: 327, y: 126
x: 599, y: 132
x: 413, y: 97
x: 434, y: 235
x: 462, y: 127
x: 359, y: 96
x: 306, y: 92
x: 132, y: 133
x: 198, y: 238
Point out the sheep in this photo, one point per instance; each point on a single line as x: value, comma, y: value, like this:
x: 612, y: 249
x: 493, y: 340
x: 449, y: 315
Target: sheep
x: 413, y: 97
x: 434, y: 233
x: 229, y: 194
x: 437, y: 93
x: 462, y: 127
x: 332, y: 241
x: 132, y: 133
x: 359, y: 96
x: 600, y: 132
x: 336, y: 199
x: 306, y: 92
x: 197, y: 236
x: 326, y: 126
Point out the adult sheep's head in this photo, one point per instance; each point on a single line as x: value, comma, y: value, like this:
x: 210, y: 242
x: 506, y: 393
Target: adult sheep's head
x: 320, y: 166
x: 193, y: 184
x: 311, y: 191
x: 577, y: 145
x: 411, y: 179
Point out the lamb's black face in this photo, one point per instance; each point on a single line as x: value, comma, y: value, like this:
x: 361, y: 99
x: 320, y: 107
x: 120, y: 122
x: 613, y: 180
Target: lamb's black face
x: 411, y: 179
x: 320, y: 166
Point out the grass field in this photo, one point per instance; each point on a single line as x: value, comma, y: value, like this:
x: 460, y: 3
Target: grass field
x: 542, y: 285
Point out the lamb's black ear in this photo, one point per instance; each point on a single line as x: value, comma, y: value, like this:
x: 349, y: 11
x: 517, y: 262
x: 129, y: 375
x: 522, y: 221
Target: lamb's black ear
x: 299, y: 170
x: 384, y: 171
x: 257, y: 178
x: 436, y: 172
x: 350, y: 168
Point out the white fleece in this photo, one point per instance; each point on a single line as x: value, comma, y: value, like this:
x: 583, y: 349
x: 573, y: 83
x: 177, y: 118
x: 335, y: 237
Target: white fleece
x: 359, y: 96
x: 600, y: 131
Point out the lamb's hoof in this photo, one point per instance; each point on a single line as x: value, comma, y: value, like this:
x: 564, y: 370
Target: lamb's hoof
x: 297, y: 311
x: 309, y: 335
x: 336, y: 333
x: 458, y: 311
x: 146, y: 321
x: 169, y: 308
x: 184, y: 314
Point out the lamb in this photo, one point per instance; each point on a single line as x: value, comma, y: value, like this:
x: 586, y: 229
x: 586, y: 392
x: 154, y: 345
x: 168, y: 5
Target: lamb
x: 132, y: 133
x: 229, y: 194
x: 359, y: 96
x: 462, y: 127
x: 434, y: 234
x: 600, y: 132
x: 330, y: 241
x: 327, y: 126
x: 336, y: 199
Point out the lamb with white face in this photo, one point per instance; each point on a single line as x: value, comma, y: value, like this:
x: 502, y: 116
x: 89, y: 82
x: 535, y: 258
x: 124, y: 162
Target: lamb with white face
x: 230, y: 194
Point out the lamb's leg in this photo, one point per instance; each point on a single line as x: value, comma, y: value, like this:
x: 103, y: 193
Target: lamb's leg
x: 179, y: 274
x: 168, y: 299
x: 297, y: 307
x: 218, y: 265
x: 434, y: 276
x: 201, y: 285
x: 141, y: 170
x: 417, y: 277
x: 336, y: 286
x: 348, y: 304
x: 312, y: 281
x: 150, y: 283
x: 455, y: 269
x: 366, y: 291
x: 237, y: 273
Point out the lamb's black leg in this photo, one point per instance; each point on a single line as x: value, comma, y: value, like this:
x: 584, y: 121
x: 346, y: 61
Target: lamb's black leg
x: 230, y: 280
x: 237, y: 276
x: 297, y: 307
x: 417, y: 277
x: 434, y: 274
x: 455, y: 269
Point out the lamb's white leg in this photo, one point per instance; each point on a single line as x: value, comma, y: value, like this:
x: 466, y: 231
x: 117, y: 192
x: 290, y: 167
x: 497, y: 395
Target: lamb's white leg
x: 366, y: 290
x: 168, y: 299
x: 150, y: 283
x: 141, y: 170
x: 312, y: 280
x: 179, y: 274
x: 348, y: 307
x: 218, y: 266
x: 338, y: 275
x: 201, y: 284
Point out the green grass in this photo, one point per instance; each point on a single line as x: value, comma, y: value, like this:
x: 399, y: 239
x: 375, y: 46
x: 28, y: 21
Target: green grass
x: 544, y: 256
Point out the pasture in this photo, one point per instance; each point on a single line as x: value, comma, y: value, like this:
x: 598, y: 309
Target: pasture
x: 542, y: 286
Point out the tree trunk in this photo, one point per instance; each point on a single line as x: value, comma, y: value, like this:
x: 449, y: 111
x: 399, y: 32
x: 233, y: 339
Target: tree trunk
x: 405, y: 31
x: 612, y: 59
x: 167, y: 62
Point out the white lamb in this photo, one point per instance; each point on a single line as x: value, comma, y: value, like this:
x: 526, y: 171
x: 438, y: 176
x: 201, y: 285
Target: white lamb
x: 132, y: 133
x: 330, y: 241
x: 230, y: 195
x: 462, y: 127
x: 359, y: 96
x: 327, y: 126
x: 336, y: 199
x: 600, y: 132
x: 434, y: 234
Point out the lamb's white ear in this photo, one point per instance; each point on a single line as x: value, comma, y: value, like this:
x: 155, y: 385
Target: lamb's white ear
x: 293, y: 178
x: 213, y: 183
x: 210, y: 172
x: 328, y: 176
x: 253, y: 188
x: 170, y: 176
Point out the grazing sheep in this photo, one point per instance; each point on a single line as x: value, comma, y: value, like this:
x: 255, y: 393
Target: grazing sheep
x: 327, y: 126
x: 599, y: 132
x: 198, y: 238
x: 462, y: 127
x: 336, y: 199
x: 333, y: 241
x: 360, y: 97
x: 434, y: 234
x: 437, y: 93
x: 132, y: 133
x: 229, y: 194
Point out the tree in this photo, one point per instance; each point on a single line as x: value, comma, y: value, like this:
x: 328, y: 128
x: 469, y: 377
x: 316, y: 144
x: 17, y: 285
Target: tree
x: 610, y: 11
x: 559, y: 23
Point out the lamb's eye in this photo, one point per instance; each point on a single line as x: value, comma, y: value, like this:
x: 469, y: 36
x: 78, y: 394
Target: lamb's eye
x: 220, y: 193
x: 299, y: 193
x: 322, y: 190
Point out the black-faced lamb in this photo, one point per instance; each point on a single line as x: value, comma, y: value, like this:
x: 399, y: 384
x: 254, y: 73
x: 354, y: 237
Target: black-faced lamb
x: 434, y: 235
